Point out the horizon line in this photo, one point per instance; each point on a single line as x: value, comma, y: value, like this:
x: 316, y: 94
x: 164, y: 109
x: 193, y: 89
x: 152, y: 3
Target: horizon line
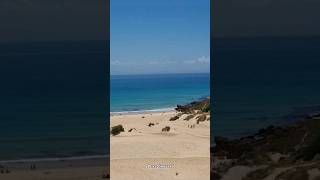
x: 159, y: 73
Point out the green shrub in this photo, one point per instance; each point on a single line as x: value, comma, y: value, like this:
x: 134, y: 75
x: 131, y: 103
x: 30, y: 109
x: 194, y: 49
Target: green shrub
x: 115, y: 130
x: 205, y: 108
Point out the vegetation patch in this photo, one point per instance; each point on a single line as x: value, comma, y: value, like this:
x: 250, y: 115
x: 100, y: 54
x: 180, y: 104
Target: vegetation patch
x: 201, y: 118
x: 259, y: 174
x: 189, y: 117
x: 130, y: 130
x: 293, y: 174
x: 202, y: 105
x: 174, y: 118
x: 166, y: 129
x: 115, y: 130
x: 309, y: 152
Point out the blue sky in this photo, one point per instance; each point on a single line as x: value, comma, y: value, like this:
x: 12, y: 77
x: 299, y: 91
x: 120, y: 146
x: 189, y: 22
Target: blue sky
x: 159, y: 36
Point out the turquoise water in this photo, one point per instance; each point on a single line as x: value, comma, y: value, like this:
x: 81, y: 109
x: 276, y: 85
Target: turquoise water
x: 131, y: 93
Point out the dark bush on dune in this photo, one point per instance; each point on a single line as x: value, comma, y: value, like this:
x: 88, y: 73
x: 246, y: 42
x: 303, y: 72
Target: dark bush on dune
x: 201, y: 118
x: 151, y: 124
x: 115, y: 130
x: 206, y: 107
x: 174, y: 118
x: 307, y: 153
x: 130, y: 130
x: 166, y: 129
x: 188, y: 117
x: 202, y: 105
x: 184, y: 108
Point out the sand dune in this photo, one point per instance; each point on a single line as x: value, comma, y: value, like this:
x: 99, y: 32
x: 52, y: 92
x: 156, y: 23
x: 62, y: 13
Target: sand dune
x: 148, y: 153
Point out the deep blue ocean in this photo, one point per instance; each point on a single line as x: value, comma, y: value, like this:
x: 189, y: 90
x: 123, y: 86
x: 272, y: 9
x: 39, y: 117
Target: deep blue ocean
x: 53, y: 99
x: 259, y: 82
x: 134, y: 93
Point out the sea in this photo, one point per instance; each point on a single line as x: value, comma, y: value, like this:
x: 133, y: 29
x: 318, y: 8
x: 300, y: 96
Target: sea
x: 53, y: 100
x: 258, y: 82
x: 156, y: 92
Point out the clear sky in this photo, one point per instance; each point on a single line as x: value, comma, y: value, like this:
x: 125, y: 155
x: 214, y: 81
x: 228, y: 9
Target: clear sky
x: 159, y: 36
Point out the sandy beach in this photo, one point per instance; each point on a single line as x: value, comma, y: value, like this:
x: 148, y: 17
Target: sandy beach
x: 77, y: 169
x: 146, y: 152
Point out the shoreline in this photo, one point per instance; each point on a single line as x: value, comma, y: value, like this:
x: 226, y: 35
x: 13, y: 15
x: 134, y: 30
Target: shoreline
x: 295, y: 114
x: 159, y: 110
x: 27, y: 160
x: 155, y: 110
x: 62, y: 169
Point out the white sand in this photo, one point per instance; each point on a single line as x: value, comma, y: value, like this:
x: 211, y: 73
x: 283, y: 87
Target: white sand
x: 183, y: 150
